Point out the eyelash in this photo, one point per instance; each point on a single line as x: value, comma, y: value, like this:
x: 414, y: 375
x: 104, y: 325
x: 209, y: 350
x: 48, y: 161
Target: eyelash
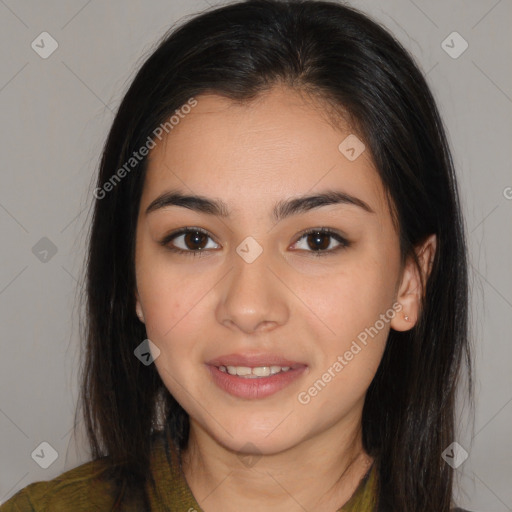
x: 344, y: 243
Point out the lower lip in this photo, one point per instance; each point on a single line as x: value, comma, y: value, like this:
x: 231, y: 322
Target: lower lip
x: 260, y: 387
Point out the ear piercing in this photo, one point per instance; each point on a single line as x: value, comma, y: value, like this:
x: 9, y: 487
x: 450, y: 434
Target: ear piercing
x: 406, y: 318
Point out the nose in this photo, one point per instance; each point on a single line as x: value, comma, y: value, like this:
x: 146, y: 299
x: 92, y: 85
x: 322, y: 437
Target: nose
x: 252, y: 299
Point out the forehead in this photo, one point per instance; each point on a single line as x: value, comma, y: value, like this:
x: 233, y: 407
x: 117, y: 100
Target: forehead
x: 281, y: 143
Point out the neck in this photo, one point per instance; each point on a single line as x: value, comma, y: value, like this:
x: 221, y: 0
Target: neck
x: 320, y: 473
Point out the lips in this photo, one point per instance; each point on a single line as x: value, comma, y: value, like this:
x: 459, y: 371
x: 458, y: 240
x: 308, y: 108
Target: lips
x: 254, y: 376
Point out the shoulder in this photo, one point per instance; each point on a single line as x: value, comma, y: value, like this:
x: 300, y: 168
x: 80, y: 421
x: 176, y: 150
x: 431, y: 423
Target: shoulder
x: 81, y: 488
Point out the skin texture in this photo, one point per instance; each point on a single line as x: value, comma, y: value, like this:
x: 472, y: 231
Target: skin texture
x: 288, y: 301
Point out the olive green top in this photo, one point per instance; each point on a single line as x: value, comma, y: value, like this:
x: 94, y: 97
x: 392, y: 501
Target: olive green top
x: 83, y: 489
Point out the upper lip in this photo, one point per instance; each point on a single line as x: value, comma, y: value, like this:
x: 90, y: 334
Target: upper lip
x: 253, y: 360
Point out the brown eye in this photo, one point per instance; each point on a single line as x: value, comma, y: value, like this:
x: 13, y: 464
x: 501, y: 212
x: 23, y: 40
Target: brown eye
x: 190, y: 241
x: 195, y: 240
x: 321, y: 241
x: 318, y: 241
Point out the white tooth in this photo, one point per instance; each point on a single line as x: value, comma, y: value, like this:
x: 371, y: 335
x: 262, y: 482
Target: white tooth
x: 261, y: 371
x: 252, y: 373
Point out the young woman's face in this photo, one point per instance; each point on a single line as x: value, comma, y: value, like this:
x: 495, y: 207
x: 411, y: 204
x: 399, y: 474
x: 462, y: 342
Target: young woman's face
x: 251, y: 293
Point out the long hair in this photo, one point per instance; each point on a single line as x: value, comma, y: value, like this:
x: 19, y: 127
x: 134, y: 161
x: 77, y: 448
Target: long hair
x: 241, y: 50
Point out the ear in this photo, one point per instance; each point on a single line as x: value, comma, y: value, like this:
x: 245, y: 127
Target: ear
x: 138, y: 307
x: 412, y: 285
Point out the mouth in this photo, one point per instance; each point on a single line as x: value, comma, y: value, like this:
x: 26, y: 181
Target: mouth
x: 246, y: 372
x: 254, y: 376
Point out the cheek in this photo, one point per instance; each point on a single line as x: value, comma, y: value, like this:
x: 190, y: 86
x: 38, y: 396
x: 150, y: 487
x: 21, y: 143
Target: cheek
x: 170, y: 297
x: 176, y: 304
x: 172, y: 304
x: 350, y: 303
x: 351, y: 298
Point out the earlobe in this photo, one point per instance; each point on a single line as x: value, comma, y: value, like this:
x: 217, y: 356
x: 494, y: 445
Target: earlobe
x: 408, y: 296
x: 412, y: 285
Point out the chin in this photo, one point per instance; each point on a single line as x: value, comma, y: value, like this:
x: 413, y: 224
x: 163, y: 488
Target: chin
x: 246, y: 438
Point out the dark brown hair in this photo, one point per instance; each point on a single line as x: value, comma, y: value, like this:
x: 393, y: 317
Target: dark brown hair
x: 239, y: 51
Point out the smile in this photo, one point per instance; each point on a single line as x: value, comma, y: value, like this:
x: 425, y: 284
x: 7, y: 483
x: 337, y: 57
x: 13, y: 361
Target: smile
x: 253, y: 373
x: 254, y: 382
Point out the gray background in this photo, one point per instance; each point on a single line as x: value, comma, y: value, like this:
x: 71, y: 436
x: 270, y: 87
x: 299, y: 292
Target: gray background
x: 55, y: 116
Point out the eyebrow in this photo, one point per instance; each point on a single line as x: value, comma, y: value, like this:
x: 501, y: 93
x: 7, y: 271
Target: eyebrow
x: 281, y: 210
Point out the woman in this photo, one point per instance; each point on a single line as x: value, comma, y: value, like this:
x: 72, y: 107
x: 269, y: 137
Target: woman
x: 276, y: 277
